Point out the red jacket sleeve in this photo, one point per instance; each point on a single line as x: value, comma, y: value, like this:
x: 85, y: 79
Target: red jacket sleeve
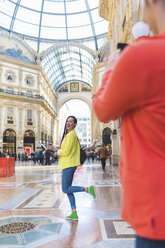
x: 122, y: 89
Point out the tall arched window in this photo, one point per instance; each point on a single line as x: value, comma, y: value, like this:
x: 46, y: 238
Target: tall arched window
x: 9, y: 142
x: 106, y: 136
x: 29, y: 141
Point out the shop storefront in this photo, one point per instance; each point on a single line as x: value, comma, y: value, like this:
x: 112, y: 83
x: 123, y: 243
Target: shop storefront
x: 29, y: 142
x: 9, y: 142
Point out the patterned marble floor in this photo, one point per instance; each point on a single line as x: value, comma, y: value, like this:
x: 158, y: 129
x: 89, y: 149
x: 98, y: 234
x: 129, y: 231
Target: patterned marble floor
x: 33, y: 209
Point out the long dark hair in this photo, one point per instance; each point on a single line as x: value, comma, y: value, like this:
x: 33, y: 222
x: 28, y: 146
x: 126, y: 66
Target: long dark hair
x: 65, y: 129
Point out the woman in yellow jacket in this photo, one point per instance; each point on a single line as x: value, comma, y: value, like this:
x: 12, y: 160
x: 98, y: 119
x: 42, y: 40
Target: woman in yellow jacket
x: 69, y: 159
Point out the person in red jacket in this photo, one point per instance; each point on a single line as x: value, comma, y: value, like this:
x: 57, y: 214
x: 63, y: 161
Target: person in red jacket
x: 133, y: 88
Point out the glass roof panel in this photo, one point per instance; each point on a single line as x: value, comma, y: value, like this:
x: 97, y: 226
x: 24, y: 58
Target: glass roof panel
x: 56, y: 7
x: 26, y: 28
x: 76, y: 6
x: 35, y: 3
x: 99, y: 28
x: 6, y: 13
x: 56, y: 19
x: 27, y: 15
x: 95, y: 16
x: 77, y: 33
x: 53, y: 33
x: 5, y: 20
x: 7, y: 8
x: 50, y: 20
x: 78, y: 20
x: 92, y: 4
x: 68, y: 63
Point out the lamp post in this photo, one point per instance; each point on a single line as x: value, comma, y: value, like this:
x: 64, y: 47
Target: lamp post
x: 140, y: 29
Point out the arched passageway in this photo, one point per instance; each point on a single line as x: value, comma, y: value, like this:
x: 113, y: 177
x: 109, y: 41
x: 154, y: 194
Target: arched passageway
x: 82, y: 112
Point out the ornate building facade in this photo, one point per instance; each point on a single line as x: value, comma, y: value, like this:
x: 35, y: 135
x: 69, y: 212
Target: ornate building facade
x: 28, y: 101
x: 121, y: 15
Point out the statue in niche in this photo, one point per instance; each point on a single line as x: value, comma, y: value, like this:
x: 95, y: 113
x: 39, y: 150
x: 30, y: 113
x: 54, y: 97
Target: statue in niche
x: 29, y: 80
x: 9, y: 76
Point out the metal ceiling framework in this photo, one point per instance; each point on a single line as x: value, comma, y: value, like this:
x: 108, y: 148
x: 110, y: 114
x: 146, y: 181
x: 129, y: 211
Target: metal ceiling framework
x: 59, y: 21
x: 38, y: 20
x: 66, y: 64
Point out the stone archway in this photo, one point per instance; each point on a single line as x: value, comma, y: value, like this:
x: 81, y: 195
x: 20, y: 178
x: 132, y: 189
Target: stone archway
x: 80, y: 109
x: 67, y: 96
x: 63, y: 98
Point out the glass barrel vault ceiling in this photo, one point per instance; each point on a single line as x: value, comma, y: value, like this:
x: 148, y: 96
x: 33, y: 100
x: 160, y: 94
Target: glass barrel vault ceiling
x: 68, y: 63
x: 53, y: 19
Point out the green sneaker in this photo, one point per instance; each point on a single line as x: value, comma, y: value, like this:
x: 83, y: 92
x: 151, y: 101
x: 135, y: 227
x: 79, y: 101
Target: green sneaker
x: 72, y: 216
x: 92, y: 191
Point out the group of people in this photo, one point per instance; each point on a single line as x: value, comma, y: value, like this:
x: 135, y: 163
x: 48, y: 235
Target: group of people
x: 44, y: 157
x: 39, y: 157
x: 91, y: 155
x: 4, y: 154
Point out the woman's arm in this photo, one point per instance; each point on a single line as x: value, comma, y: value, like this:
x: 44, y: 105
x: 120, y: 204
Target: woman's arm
x: 122, y: 89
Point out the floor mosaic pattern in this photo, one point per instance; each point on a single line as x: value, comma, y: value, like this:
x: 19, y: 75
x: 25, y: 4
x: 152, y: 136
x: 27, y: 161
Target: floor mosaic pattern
x: 116, y: 228
x: 16, y: 227
x: 122, y: 243
x: 33, y: 209
x: 31, y: 230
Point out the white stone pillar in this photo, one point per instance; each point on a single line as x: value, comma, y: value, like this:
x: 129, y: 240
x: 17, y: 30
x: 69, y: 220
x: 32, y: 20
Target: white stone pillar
x: 115, y: 148
x: 57, y: 132
x: 1, y: 134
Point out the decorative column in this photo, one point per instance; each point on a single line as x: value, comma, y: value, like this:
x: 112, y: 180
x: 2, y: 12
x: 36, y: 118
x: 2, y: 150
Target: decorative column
x: 20, y: 136
x: 20, y: 78
x: 57, y: 131
x: 115, y: 148
x: 1, y: 134
x: 53, y: 132
x: 0, y: 72
x: 39, y: 83
x: 95, y: 125
x: 20, y: 121
x: 38, y: 138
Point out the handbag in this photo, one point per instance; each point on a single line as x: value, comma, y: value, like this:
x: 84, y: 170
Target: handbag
x: 83, y: 155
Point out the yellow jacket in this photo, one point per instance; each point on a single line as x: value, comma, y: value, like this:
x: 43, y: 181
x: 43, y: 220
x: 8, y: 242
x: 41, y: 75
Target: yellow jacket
x: 70, y: 151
